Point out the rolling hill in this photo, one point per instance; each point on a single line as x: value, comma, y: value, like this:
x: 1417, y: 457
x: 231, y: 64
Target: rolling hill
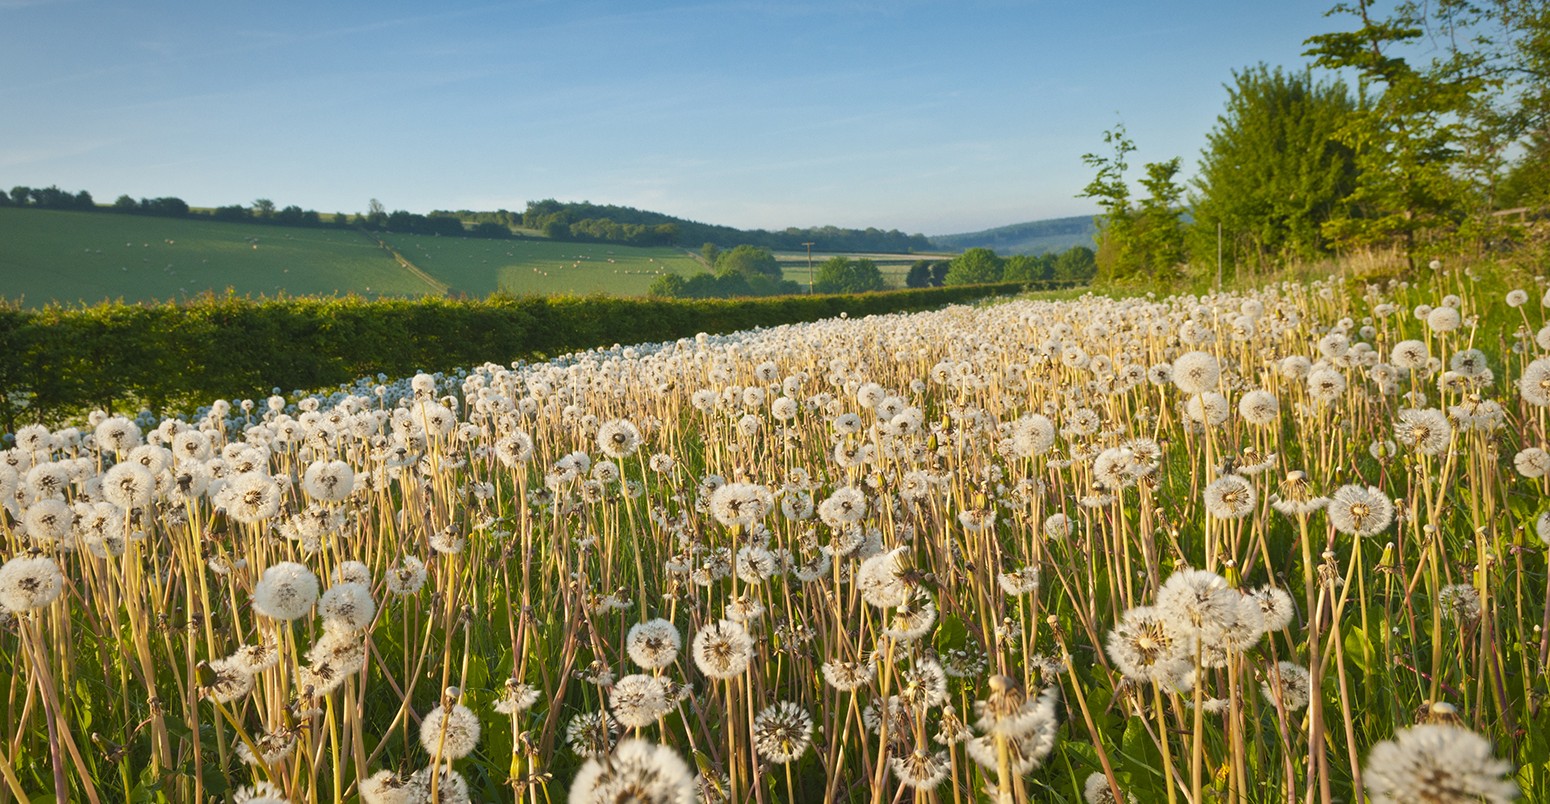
x: 1033, y: 237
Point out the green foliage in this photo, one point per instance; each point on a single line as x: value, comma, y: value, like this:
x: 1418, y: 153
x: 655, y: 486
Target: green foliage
x: 750, y: 261
x: 976, y: 266
x: 1274, y: 169
x: 1406, y: 141
x: 845, y: 275
x: 58, y: 362
x: 919, y: 275
x: 541, y: 214
x: 1077, y: 264
x: 1137, y: 243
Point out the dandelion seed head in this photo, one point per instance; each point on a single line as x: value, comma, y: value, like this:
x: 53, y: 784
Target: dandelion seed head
x: 1439, y: 764
x: 636, y: 771
x: 653, y: 644
x: 285, y: 591
x: 723, y: 649
x: 782, y: 732
x: 638, y: 700
x: 1360, y: 511
x: 450, y: 733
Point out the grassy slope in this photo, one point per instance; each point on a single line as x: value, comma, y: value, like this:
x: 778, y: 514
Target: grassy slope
x: 51, y: 256
x: 481, y: 267
x: 67, y: 257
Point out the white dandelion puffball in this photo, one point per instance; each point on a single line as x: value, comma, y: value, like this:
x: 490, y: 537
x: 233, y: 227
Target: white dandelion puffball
x: 636, y: 771
x: 1230, y: 497
x: 1437, y: 763
x: 29, y: 583
x: 653, y: 644
x: 723, y: 649
x: 455, y: 731
x: 286, y: 591
x: 331, y: 481
x: 1359, y: 511
x: 1196, y: 372
x: 348, y: 604
x: 618, y: 438
x: 782, y: 732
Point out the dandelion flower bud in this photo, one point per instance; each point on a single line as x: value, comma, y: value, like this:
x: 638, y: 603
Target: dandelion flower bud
x: 286, y: 591
x: 455, y: 731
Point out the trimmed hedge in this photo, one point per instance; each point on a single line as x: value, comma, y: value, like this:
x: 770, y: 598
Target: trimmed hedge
x: 58, y: 362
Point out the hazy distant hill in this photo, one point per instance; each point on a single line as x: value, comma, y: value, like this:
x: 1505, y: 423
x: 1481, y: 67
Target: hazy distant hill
x: 1034, y: 237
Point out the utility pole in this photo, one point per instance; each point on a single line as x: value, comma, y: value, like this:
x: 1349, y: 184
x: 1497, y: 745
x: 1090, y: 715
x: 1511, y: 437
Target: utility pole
x: 809, y: 268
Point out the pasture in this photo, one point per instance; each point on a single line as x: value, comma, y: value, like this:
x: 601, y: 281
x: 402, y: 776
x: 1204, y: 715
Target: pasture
x: 478, y: 268
x: 68, y: 257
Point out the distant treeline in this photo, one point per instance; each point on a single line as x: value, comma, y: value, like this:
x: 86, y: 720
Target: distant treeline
x: 446, y: 224
x: 555, y: 220
x: 597, y: 222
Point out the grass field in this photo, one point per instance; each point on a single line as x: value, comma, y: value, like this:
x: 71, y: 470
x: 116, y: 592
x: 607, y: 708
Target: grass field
x: 481, y: 267
x: 69, y: 257
x: 75, y: 256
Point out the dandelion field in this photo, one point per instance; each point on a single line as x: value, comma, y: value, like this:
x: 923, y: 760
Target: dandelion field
x: 1278, y: 545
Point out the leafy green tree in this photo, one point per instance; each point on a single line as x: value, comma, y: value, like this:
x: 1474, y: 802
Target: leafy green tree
x: 19, y: 195
x: 263, y: 208
x: 1028, y: 268
x: 750, y: 261
x: 919, y: 275
x: 1406, y: 142
x: 1274, y: 169
x: 709, y: 252
x: 974, y: 267
x: 124, y: 203
x: 846, y: 275
x: 1112, y: 193
x: 1137, y: 242
x: 1076, y: 264
x: 1158, y: 231
x: 667, y: 286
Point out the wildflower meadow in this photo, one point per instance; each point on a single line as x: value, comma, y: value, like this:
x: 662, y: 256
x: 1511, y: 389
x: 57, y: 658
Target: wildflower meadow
x: 1274, y: 545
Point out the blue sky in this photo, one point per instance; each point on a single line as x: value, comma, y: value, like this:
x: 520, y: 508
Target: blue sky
x: 931, y: 117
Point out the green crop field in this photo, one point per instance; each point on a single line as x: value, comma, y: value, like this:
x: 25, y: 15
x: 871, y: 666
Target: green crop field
x: 69, y: 257
x: 481, y: 267
x: 72, y: 257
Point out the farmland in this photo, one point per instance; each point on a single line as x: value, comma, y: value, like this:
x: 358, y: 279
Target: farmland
x: 476, y: 267
x: 70, y: 257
